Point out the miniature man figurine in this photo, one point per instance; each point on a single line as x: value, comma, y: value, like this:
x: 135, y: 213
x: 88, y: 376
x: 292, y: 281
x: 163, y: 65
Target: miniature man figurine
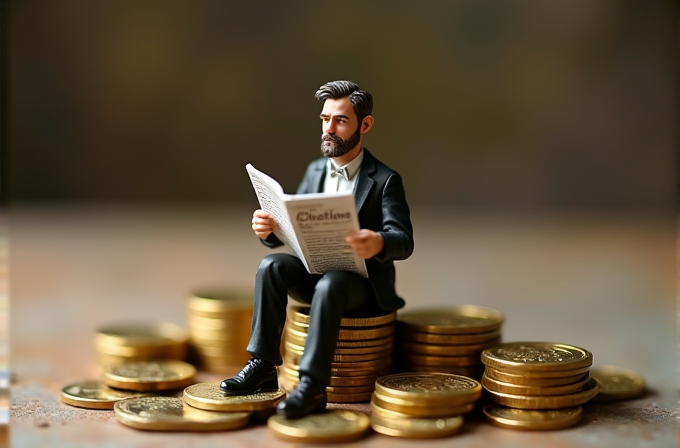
x: 386, y: 235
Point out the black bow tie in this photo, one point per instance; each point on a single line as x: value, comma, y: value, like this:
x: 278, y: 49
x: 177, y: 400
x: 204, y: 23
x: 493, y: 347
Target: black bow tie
x: 339, y: 172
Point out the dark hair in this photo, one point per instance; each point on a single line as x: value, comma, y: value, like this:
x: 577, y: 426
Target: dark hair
x: 361, y: 100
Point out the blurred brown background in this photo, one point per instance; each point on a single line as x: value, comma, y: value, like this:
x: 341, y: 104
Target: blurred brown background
x: 479, y: 104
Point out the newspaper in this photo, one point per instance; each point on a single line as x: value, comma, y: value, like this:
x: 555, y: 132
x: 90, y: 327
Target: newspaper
x: 314, y: 225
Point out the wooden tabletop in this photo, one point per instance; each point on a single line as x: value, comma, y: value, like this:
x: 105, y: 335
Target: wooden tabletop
x: 603, y: 283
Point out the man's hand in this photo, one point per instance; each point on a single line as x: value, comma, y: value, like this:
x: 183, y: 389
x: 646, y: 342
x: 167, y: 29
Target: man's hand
x: 263, y: 224
x: 365, y: 243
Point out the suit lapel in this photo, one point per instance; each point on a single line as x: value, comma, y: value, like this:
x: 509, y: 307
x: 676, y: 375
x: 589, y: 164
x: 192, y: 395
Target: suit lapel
x: 365, y: 181
x: 316, y: 180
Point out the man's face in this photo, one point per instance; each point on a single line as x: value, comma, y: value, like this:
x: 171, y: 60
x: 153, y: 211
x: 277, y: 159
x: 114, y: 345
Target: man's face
x: 340, y: 127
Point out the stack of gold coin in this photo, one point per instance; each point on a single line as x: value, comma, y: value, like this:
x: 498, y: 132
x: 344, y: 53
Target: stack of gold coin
x: 140, y: 341
x: 422, y: 405
x: 448, y: 340
x: 363, y: 353
x: 547, y: 381
x: 219, y: 325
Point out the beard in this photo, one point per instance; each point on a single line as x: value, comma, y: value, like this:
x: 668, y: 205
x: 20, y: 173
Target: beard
x: 334, y: 146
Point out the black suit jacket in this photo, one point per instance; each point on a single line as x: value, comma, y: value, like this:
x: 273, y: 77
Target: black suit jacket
x: 381, y: 203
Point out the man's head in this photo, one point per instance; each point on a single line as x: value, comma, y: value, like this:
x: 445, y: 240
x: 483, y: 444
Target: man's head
x: 346, y: 116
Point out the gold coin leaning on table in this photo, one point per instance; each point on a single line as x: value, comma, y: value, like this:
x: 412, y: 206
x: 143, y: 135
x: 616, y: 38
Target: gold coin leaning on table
x: 514, y: 389
x: 339, y: 425
x: 518, y: 357
x: 532, y: 420
x: 617, y: 383
x: 462, y: 319
x: 419, y: 410
x: 150, y: 375
x: 94, y: 394
x: 172, y: 414
x: 208, y: 396
x: 566, y: 377
x: 546, y: 401
x: 430, y: 388
x: 417, y: 428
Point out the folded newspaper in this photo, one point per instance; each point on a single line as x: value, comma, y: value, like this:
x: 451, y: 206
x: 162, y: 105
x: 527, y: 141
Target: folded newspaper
x: 314, y: 225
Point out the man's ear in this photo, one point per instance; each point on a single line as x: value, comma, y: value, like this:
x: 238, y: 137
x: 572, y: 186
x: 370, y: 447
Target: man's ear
x: 366, y: 124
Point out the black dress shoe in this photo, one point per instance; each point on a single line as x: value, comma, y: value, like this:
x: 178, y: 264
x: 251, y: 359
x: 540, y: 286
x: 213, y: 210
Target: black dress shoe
x: 309, y: 396
x: 257, y: 376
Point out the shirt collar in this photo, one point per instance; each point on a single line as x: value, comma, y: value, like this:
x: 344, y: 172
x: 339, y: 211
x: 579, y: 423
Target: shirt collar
x: 353, y: 166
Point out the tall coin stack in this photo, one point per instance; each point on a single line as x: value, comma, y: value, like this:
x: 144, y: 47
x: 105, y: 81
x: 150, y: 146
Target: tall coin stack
x: 422, y: 405
x: 219, y: 327
x: 448, y: 340
x: 537, y: 385
x: 363, y: 353
x: 117, y: 344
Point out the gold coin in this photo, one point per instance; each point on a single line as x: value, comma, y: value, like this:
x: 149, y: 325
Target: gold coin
x: 294, y: 359
x: 533, y: 420
x: 362, y: 397
x: 345, y: 351
x: 150, y: 375
x: 520, y: 357
x: 174, y: 351
x: 349, y: 358
x: 522, y: 380
x: 514, y: 389
x: 343, y: 372
x: 351, y: 389
x: 341, y: 381
x: 473, y: 371
x: 94, y: 395
x: 339, y: 425
x: 362, y: 333
x: 417, y: 428
x: 448, y: 350
x: 463, y: 319
x: 530, y: 374
x: 226, y: 336
x: 617, y: 383
x: 228, y: 341
x: 300, y: 314
x: 141, y: 335
x: 414, y: 410
x: 222, y: 352
x: 449, y: 339
x: 209, y: 397
x: 432, y: 388
x: 171, y: 414
x: 546, y: 401
x: 214, y: 303
x: 298, y: 338
x: 427, y: 360
x: 236, y: 323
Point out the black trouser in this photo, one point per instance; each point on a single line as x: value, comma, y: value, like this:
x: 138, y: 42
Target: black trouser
x: 330, y: 294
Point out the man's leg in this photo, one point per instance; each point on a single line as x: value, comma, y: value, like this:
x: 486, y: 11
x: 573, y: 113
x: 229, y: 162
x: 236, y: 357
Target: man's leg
x: 335, y: 293
x: 276, y: 275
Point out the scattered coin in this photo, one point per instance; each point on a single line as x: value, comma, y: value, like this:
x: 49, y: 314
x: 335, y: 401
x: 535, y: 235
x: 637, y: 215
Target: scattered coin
x: 150, y: 375
x: 429, y: 388
x: 93, y: 394
x: 514, y: 389
x: 172, y: 414
x: 335, y: 426
x: 617, y: 383
x: 463, y: 319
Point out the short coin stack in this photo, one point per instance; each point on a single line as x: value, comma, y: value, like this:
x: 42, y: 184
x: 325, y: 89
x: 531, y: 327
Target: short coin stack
x: 448, y: 340
x: 422, y: 405
x: 363, y: 353
x: 543, y: 383
x: 219, y: 325
x: 140, y: 341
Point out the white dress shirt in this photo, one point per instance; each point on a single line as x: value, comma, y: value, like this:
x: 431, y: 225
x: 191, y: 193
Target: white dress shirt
x: 334, y: 184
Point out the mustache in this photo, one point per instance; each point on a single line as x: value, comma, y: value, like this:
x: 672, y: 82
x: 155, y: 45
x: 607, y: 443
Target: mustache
x: 331, y: 138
